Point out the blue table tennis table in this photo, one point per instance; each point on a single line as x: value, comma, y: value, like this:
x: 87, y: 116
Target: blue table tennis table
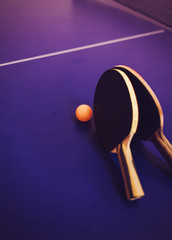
x: 56, y: 181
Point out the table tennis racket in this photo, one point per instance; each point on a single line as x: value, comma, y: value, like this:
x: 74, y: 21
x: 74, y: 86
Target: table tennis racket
x: 151, y: 120
x: 116, y: 119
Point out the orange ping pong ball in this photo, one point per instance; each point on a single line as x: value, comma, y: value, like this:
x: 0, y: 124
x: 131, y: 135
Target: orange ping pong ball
x: 84, y: 113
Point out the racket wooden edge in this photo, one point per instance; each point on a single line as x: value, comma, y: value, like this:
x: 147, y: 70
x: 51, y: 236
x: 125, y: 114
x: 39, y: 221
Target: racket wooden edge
x: 135, y: 109
x: 149, y: 89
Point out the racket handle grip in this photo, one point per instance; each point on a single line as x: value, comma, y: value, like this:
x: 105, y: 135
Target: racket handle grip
x: 163, y: 146
x: 131, y: 180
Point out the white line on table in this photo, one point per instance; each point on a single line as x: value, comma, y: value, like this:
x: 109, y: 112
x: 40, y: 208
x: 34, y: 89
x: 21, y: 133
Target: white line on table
x: 83, y: 47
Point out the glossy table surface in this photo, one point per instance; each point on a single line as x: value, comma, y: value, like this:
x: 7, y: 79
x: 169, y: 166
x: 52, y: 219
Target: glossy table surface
x: 56, y: 182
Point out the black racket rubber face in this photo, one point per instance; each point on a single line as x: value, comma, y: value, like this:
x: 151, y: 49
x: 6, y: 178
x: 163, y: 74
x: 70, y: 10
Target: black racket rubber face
x: 149, y: 119
x: 112, y: 110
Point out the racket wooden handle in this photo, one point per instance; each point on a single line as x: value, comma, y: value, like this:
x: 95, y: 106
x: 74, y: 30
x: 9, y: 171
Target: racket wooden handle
x: 167, y: 142
x: 131, y: 180
x: 163, y: 146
